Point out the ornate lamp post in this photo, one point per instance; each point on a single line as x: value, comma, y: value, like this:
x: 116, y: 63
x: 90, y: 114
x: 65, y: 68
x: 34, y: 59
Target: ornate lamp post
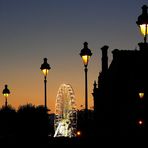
x: 85, y: 55
x: 6, y: 93
x: 142, y: 22
x: 45, y: 67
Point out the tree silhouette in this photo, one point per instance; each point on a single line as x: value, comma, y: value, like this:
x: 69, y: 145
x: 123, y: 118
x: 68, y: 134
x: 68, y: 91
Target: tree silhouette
x: 33, y: 122
x: 7, y: 121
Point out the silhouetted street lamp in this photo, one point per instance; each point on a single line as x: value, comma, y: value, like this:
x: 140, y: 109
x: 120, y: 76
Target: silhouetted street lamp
x: 143, y: 22
x: 86, y: 54
x: 6, y: 93
x: 45, y: 67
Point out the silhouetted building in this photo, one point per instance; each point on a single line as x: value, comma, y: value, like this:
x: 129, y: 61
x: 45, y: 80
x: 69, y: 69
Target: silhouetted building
x: 120, y: 93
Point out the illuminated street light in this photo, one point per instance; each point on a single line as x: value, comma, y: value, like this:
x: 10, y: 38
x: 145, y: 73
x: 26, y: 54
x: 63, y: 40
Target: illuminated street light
x: 140, y: 122
x: 143, y: 22
x: 85, y: 55
x: 6, y: 93
x: 78, y: 133
x: 45, y: 67
x: 141, y: 95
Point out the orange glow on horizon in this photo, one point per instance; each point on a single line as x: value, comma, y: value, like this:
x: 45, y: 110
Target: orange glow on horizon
x: 34, y: 94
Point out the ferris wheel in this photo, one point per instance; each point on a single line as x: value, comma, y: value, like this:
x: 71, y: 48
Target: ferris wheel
x: 65, y: 122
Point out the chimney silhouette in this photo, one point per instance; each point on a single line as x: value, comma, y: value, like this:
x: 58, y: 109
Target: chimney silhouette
x: 104, y: 59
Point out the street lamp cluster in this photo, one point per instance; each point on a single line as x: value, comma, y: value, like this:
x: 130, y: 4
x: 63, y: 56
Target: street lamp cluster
x: 85, y: 54
x: 45, y: 67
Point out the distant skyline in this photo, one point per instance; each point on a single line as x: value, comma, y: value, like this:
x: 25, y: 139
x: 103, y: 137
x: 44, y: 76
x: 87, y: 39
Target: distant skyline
x: 31, y: 30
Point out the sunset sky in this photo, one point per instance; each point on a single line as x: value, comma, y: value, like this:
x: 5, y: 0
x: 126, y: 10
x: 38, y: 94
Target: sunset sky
x: 56, y: 29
